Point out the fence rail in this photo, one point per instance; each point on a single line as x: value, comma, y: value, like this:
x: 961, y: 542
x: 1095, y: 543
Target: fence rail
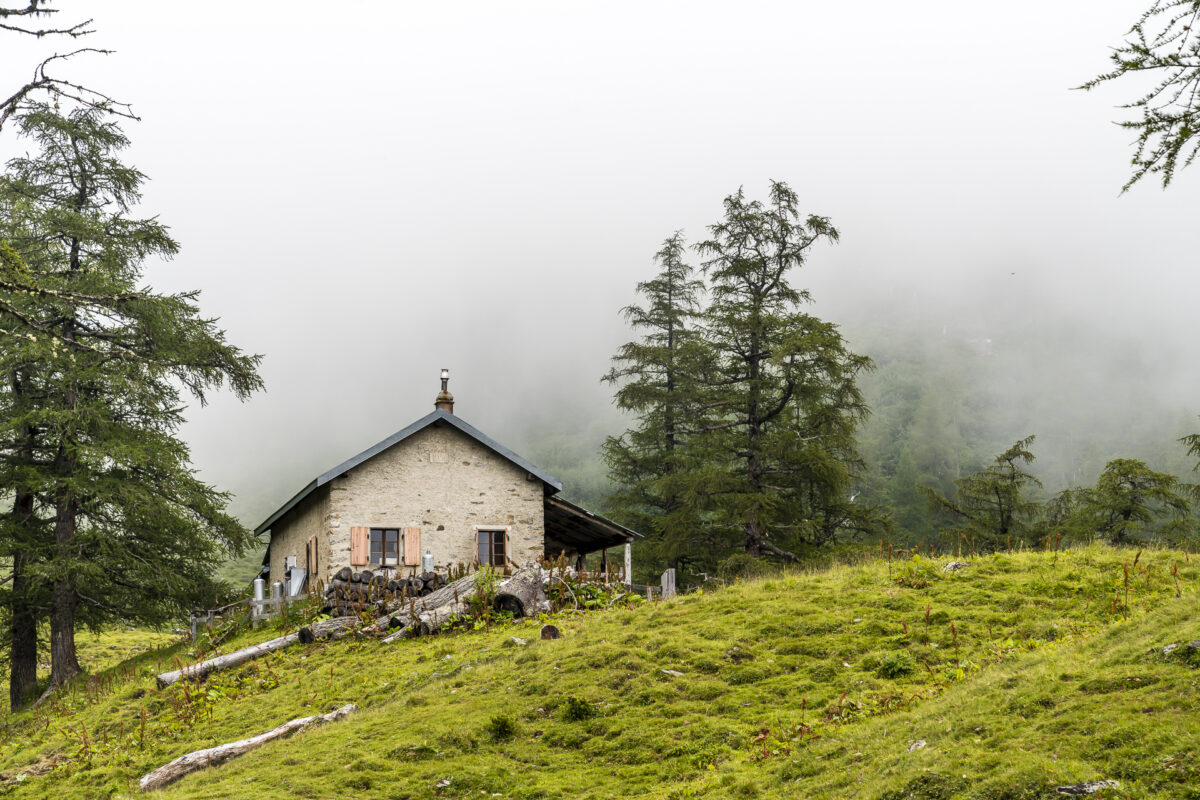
x: 258, y: 610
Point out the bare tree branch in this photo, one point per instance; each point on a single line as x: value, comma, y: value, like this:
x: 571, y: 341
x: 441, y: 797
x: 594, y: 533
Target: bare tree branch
x: 52, y: 87
x: 75, y: 31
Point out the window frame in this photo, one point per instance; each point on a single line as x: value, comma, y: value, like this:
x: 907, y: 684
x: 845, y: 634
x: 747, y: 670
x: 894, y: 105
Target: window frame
x: 503, y: 531
x: 397, y: 554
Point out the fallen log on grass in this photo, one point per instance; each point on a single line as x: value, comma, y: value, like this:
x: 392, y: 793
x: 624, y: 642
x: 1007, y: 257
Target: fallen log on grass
x: 213, y: 756
x: 197, y: 672
x: 522, y: 595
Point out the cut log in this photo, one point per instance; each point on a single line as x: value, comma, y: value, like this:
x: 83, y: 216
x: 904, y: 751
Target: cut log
x: 198, y: 672
x: 343, y: 574
x: 213, y: 756
x: 520, y: 594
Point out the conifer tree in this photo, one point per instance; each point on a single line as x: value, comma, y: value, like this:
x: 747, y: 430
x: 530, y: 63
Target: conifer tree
x: 1129, y: 497
x: 991, y: 504
x: 655, y: 379
x: 1163, y: 46
x: 782, y: 406
x: 121, y: 528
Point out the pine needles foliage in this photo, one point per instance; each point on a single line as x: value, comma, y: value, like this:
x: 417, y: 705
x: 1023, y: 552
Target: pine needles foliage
x: 108, y: 512
x: 746, y: 407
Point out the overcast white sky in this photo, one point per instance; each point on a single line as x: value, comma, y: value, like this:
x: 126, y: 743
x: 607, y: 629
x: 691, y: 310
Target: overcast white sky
x: 367, y: 192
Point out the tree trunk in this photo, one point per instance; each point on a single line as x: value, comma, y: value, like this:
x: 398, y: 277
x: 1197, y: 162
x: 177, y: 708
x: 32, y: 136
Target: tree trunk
x: 22, y: 683
x: 214, y: 756
x: 522, y: 595
x: 754, y: 467
x: 198, y: 672
x: 64, y: 663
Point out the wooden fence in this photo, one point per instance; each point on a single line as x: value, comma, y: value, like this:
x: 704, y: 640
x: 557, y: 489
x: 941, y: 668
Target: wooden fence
x: 258, y: 611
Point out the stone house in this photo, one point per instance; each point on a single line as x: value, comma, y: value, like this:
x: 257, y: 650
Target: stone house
x: 438, y: 490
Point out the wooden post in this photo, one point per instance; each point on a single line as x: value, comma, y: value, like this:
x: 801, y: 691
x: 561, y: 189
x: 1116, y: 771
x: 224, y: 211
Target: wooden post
x: 604, y: 563
x: 192, y: 624
x: 649, y: 592
x: 628, y: 565
x: 668, y: 584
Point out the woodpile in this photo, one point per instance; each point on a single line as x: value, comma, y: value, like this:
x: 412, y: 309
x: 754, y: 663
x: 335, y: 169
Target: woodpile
x: 522, y: 594
x: 395, y: 615
x: 352, y: 594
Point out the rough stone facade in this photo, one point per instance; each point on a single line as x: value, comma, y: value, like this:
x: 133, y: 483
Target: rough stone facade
x: 291, y: 534
x: 439, y: 480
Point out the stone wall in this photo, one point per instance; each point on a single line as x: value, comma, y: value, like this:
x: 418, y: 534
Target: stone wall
x: 290, y: 535
x: 445, y: 483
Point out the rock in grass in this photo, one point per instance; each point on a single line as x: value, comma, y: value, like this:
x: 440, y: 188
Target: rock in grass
x: 1084, y: 789
x: 674, y: 673
x: 917, y: 745
x: 954, y: 566
x: 551, y: 632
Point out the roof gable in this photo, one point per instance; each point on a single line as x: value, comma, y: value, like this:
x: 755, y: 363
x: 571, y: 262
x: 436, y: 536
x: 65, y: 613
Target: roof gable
x: 424, y: 422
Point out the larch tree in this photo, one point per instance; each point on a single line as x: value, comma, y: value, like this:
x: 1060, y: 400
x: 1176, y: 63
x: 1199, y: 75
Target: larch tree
x: 121, y: 527
x: 22, y: 531
x: 1163, y: 47
x: 1129, y: 497
x: 992, y: 505
x: 773, y: 442
x: 38, y: 19
x: 655, y: 378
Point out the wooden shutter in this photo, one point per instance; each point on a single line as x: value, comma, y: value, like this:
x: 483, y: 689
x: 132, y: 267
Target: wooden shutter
x: 312, y: 557
x: 359, y: 546
x: 412, y: 547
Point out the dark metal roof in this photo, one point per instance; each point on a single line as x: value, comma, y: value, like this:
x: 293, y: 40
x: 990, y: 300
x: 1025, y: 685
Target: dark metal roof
x: 552, y: 483
x: 574, y: 529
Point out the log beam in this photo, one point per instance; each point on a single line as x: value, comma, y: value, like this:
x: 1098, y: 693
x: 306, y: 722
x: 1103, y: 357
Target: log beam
x: 214, y: 756
x: 198, y: 672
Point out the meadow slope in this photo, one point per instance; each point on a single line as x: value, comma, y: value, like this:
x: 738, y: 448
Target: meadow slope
x: 1018, y: 673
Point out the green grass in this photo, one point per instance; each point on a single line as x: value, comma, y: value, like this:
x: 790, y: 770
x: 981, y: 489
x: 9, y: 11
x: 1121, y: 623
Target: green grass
x: 1021, y: 672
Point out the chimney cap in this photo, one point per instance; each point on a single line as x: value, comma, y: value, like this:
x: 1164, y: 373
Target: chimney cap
x: 445, y: 401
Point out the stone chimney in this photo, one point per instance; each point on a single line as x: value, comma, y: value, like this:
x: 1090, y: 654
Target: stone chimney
x: 445, y: 400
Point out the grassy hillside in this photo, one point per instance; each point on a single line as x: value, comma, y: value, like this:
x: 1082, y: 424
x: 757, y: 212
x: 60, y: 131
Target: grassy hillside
x: 1019, y: 672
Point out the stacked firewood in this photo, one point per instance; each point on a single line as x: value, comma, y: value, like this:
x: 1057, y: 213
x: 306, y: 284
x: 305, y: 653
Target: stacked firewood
x: 351, y: 594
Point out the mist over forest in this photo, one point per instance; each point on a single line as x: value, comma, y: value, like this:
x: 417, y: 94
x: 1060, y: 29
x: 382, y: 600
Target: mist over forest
x: 490, y: 198
x: 964, y: 365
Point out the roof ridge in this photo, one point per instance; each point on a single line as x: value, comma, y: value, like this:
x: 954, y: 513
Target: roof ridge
x: 424, y: 422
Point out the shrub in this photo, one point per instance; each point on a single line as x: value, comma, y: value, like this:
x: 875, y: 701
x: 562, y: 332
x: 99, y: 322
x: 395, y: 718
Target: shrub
x: 917, y: 573
x: 501, y: 728
x: 895, y: 665
x: 576, y: 709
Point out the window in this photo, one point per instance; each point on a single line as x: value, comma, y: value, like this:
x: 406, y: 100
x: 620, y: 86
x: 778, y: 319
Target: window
x: 491, y: 547
x: 385, y: 546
